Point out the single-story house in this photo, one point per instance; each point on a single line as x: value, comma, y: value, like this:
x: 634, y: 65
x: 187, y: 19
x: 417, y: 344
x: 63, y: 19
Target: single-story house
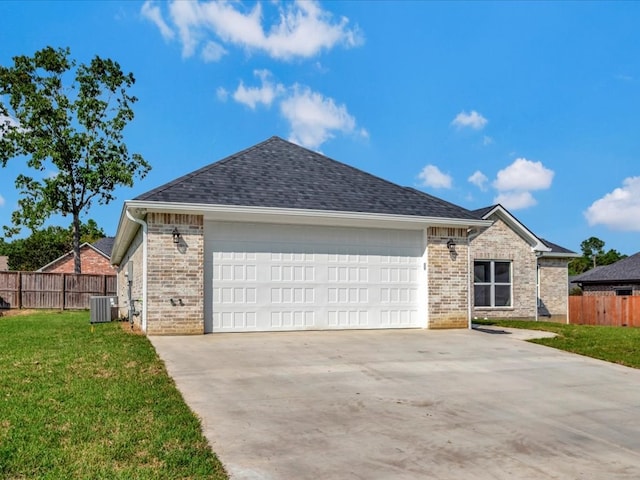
x: 620, y: 278
x: 95, y: 259
x: 278, y: 237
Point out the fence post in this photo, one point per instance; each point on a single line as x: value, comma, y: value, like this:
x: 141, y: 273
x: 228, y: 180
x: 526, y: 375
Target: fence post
x: 19, y: 290
x: 64, y: 293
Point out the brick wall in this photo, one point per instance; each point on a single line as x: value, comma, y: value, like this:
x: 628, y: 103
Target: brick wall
x: 448, y: 278
x: 554, y: 288
x: 599, y: 290
x: 92, y: 262
x: 500, y: 242
x: 175, y: 275
x: 133, y: 255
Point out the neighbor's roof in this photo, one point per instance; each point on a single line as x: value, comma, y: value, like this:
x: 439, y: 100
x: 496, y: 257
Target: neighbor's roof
x: 625, y: 270
x: 104, y: 245
x: 279, y: 174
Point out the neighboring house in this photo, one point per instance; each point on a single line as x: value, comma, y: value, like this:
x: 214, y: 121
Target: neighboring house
x: 95, y: 259
x: 4, y: 263
x: 620, y: 278
x: 278, y: 237
x: 515, y: 273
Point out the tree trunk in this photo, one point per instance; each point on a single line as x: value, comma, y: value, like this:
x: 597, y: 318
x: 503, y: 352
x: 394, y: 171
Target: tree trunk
x: 77, y: 263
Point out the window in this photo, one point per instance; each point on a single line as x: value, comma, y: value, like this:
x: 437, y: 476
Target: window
x: 492, y: 283
x: 624, y: 291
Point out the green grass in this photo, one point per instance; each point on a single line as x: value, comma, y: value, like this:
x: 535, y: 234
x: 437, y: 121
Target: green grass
x: 77, y: 402
x: 613, y: 344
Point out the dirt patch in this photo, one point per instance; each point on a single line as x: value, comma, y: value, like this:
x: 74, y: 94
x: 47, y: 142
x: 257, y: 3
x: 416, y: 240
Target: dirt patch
x: 134, y: 329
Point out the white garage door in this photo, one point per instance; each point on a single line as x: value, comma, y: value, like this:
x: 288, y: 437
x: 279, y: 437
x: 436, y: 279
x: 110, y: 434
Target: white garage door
x: 265, y: 277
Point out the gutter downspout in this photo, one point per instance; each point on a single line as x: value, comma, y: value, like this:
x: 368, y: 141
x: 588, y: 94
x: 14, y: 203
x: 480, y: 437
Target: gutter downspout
x: 143, y: 323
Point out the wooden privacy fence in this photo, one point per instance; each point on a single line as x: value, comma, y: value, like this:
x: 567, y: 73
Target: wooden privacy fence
x: 620, y: 311
x: 53, y: 290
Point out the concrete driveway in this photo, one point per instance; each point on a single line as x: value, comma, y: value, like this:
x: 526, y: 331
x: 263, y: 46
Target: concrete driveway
x: 407, y: 404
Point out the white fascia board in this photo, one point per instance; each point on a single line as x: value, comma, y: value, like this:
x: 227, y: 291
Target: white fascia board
x: 124, y: 234
x: 300, y: 216
x: 536, y: 244
x: 559, y: 255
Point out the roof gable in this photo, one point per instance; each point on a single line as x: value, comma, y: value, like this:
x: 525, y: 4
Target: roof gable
x: 280, y: 174
x: 625, y: 270
x: 546, y: 248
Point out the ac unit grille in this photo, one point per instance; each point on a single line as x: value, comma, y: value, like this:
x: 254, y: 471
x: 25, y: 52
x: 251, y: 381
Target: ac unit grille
x: 103, y: 309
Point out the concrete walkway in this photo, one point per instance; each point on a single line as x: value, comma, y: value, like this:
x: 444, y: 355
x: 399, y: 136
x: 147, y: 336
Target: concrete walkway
x: 407, y: 404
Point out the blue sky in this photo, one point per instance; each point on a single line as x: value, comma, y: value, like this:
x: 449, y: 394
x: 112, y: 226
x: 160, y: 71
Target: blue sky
x: 534, y: 105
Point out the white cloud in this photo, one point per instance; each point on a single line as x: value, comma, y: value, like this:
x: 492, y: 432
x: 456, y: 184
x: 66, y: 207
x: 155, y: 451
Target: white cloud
x: 213, y: 51
x: 431, y: 176
x: 222, y: 94
x: 6, y: 122
x: 487, y: 140
x: 516, y: 182
x: 1, y: 201
x: 265, y: 94
x: 515, y: 200
x: 524, y: 175
x: 303, y: 29
x: 472, y: 120
x: 620, y: 209
x: 313, y: 118
x: 152, y: 12
x: 479, y: 179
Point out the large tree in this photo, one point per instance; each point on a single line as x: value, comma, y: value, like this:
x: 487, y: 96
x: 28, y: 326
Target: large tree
x: 593, y: 255
x: 66, y: 121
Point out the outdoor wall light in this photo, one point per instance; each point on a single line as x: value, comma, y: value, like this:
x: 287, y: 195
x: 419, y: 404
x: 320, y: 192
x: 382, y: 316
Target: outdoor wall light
x: 176, y: 235
x: 451, y: 245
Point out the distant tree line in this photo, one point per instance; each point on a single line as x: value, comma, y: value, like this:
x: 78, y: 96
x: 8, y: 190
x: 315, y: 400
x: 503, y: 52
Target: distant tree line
x: 44, y: 246
x: 593, y: 255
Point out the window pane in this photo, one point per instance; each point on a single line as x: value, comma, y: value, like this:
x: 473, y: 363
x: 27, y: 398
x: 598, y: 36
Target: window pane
x: 503, y: 295
x: 482, y: 295
x: 502, y: 272
x: 482, y: 272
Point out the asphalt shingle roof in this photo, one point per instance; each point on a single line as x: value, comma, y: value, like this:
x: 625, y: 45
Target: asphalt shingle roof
x: 625, y: 270
x: 277, y: 173
x: 105, y: 245
x: 556, y: 248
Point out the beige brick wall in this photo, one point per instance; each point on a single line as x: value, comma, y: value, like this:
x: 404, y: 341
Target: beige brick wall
x: 554, y: 288
x: 500, y: 242
x: 134, y: 255
x: 175, y: 273
x: 447, y: 278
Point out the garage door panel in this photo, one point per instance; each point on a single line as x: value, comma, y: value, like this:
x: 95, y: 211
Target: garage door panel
x: 277, y: 277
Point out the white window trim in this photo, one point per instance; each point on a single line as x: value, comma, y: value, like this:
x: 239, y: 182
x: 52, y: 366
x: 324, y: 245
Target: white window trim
x: 493, y: 284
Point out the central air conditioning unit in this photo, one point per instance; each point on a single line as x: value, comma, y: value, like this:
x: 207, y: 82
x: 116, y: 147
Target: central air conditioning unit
x: 103, y: 309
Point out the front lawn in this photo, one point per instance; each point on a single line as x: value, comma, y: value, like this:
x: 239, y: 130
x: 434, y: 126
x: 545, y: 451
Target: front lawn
x: 83, y: 402
x: 613, y: 344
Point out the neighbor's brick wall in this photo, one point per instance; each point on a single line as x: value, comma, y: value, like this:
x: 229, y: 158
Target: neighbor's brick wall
x: 554, y: 288
x: 175, y: 272
x: 448, y: 278
x: 499, y: 242
x: 92, y: 263
x: 599, y: 290
x: 134, y: 255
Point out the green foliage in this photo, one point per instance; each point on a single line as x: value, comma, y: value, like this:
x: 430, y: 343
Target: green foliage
x: 67, y: 121
x: 45, y: 245
x: 593, y: 255
x: 92, y: 403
